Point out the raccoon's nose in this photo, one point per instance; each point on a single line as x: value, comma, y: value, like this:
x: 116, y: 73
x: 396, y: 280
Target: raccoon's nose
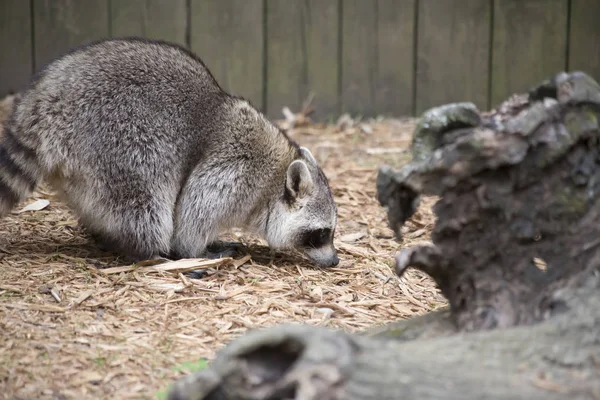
x: 335, y: 260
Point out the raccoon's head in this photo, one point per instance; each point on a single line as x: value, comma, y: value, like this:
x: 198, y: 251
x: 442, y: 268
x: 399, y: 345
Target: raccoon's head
x: 304, y: 216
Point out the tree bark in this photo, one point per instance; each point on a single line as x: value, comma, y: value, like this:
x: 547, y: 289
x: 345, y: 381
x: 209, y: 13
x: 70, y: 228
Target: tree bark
x: 515, y: 185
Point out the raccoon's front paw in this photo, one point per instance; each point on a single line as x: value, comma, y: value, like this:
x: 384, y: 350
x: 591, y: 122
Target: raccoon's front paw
x: 196, y: 274
x: 224, y: 249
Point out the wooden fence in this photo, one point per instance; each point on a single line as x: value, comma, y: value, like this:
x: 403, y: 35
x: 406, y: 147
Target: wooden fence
x: 369, y: 57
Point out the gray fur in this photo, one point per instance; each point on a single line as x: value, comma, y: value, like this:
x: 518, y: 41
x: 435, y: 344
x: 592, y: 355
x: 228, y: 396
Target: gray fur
x: 155, y: 158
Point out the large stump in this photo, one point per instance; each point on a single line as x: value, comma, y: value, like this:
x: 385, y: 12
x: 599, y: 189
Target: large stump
x: 516, y: 250
x: 517, y: 186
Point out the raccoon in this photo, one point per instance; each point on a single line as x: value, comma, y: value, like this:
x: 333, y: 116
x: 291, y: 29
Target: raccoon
x: 156, y: 159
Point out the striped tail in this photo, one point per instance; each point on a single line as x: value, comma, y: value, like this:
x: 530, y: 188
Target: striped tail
x: 20, y: 170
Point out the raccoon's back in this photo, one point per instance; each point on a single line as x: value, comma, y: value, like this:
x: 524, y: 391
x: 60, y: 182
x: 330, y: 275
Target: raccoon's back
x: 111, y: 65
x: 123, y: 101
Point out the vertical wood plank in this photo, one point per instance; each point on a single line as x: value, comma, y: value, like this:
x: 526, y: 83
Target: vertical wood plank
x: 16, y: 64
x: 127, y: 18
x: 395, y: 54
x: 166, y: 20
x: 302, y: 49
x: 359, y: 56
x: 154, y: 19
x: 228, y: 36
x: 529, y: 44
x: 377, y: 57
x: 584, y: 44
x: 453, y: 52
x: 60, y: 25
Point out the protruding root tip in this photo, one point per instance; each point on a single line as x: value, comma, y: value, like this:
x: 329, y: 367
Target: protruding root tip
x: 424, y: 256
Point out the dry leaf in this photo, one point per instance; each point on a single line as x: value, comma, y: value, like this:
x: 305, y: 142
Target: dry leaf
x: 353, y: 250
x: 366, y: 129
x: 83, y: 297
x: 346, y: 298
x: 352, y: 237
x: 416, y: 234
x: 344, y: 121
x: 167, y: 287
x: 183, y: 265
x: 378, y: 151
x: 241, y: 261
x: 35, y: 206
x: 189, y: 264
x: 35, y: 307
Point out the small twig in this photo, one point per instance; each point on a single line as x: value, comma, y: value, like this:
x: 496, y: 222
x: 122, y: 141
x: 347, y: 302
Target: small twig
x: 55, y: 294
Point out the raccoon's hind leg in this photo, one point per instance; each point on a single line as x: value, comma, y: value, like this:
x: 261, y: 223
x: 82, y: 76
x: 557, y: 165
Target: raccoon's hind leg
x: 103, y: 242
x: 138, y: 229
x: 136, y: 234
x: 20, y: 171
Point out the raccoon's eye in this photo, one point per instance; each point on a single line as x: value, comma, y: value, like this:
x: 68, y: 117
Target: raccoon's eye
x: 316, y: 238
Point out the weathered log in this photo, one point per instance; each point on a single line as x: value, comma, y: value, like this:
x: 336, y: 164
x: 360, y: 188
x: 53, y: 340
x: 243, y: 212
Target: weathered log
x: 556, y: 359
x: 515, y: 185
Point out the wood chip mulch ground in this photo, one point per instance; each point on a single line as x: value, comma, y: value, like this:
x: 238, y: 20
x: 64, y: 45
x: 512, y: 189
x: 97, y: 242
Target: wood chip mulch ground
x: 76, y: 323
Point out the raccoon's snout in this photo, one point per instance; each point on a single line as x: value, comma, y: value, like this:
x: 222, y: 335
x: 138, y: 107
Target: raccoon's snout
x: 318, y: 246
x: 323, y: 257
x: 330, y: 262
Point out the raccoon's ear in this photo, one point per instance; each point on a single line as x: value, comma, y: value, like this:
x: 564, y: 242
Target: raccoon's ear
x: 299, y: 181
x: 308, y: 155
